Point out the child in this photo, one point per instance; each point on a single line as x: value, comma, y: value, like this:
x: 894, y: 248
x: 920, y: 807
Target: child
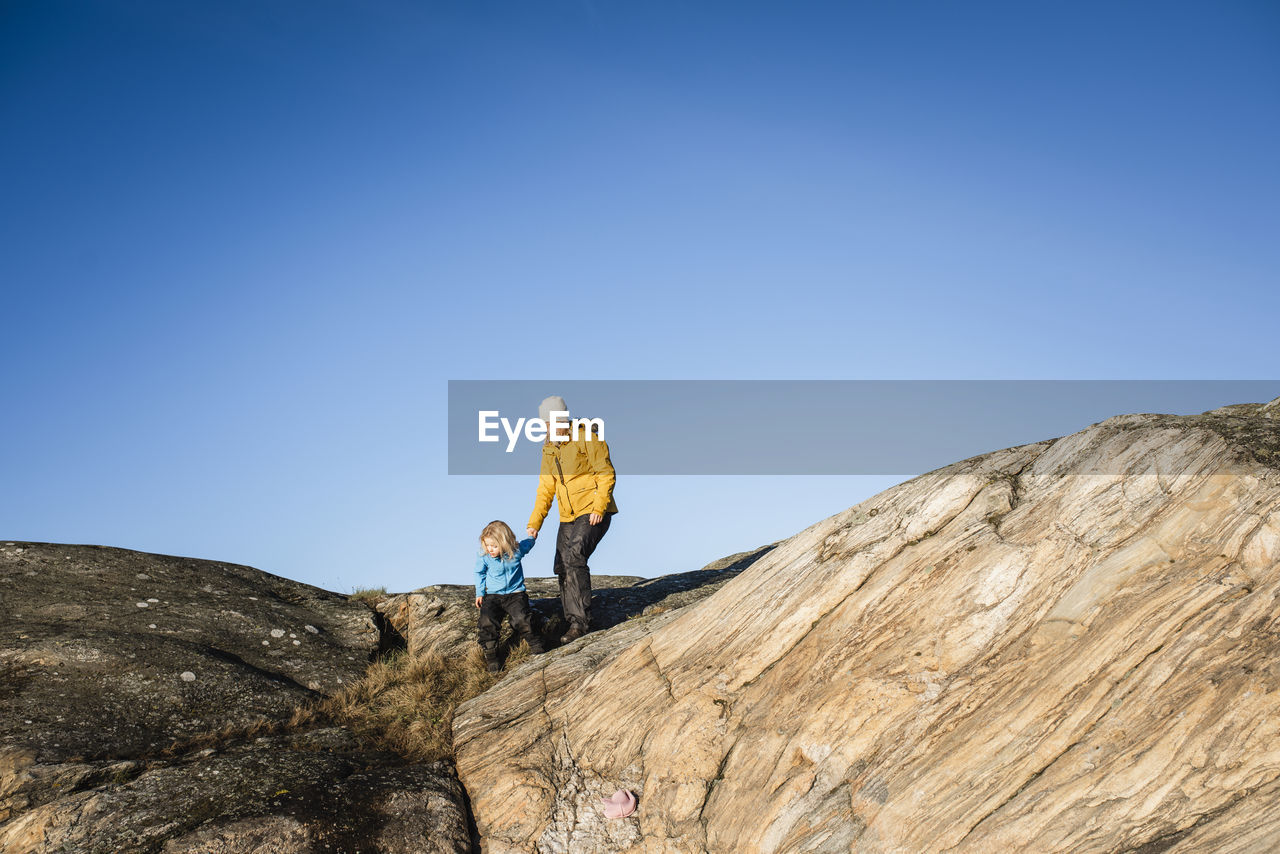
x: 500, y: 590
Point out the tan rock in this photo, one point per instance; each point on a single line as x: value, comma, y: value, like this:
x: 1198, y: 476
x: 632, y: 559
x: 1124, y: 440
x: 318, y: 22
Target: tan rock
x: 1067, y: 646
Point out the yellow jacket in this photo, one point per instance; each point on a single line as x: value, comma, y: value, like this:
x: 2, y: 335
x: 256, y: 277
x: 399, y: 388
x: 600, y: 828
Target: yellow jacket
x: 578, y: 475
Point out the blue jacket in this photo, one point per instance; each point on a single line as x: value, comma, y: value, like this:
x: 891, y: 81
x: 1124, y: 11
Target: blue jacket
x: 495, y: 575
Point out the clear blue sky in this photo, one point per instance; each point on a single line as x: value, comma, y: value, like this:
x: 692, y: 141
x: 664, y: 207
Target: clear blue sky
x: 244, y: 245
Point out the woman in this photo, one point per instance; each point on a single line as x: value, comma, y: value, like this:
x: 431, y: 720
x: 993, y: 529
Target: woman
x: 577, y: 474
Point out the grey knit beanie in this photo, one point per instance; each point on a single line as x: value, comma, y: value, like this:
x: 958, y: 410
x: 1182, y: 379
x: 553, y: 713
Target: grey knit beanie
x: 555, y: 403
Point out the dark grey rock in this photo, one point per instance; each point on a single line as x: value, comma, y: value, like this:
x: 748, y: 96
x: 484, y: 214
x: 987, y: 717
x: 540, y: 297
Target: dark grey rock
x: 292, y: 794
x: 101, y: 698
x: 87, y: 673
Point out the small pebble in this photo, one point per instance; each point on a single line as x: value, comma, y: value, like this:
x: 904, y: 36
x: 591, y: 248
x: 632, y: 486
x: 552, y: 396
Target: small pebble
x: 297, y: 643
x: 151, y: 625
x: 143, y: 605
x: 312, y: 629
x: 277, y: 633
x: 266, y: 643
x: 153, y: 600
x: 188, y: 676
x: 142, y: 576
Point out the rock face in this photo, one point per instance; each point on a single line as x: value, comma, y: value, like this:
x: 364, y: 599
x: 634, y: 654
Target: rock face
x: 108, y: 657
x: 1066, y: 646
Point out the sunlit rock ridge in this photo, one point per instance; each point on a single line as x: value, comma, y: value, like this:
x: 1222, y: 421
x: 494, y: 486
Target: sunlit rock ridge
x: 1065, y: 646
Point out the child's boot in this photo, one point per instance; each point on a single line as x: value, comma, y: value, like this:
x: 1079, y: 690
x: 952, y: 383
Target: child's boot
x: 491, y: 658
x: 535, y: 644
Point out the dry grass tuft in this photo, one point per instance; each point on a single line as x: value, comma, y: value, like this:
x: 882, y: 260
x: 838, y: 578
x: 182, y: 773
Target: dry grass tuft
x: 372, y: 595
x: 404, y: 703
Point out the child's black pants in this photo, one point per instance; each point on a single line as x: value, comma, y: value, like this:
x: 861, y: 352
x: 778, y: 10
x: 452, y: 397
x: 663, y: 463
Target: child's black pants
x: 494, y: 606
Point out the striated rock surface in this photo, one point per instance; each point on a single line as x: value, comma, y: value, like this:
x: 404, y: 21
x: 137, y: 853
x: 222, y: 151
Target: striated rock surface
x: 110, y: 658
x: 1066, y: 646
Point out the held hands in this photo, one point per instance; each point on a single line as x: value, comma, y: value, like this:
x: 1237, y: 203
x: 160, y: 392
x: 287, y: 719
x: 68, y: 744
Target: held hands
x: 533, y: 532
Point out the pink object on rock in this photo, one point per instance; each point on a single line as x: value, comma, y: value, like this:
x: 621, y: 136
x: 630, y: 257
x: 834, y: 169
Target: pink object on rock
x: 619, y: 805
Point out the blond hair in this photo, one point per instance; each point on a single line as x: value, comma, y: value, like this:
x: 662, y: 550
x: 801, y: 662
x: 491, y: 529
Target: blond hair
x: 503, y: 536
